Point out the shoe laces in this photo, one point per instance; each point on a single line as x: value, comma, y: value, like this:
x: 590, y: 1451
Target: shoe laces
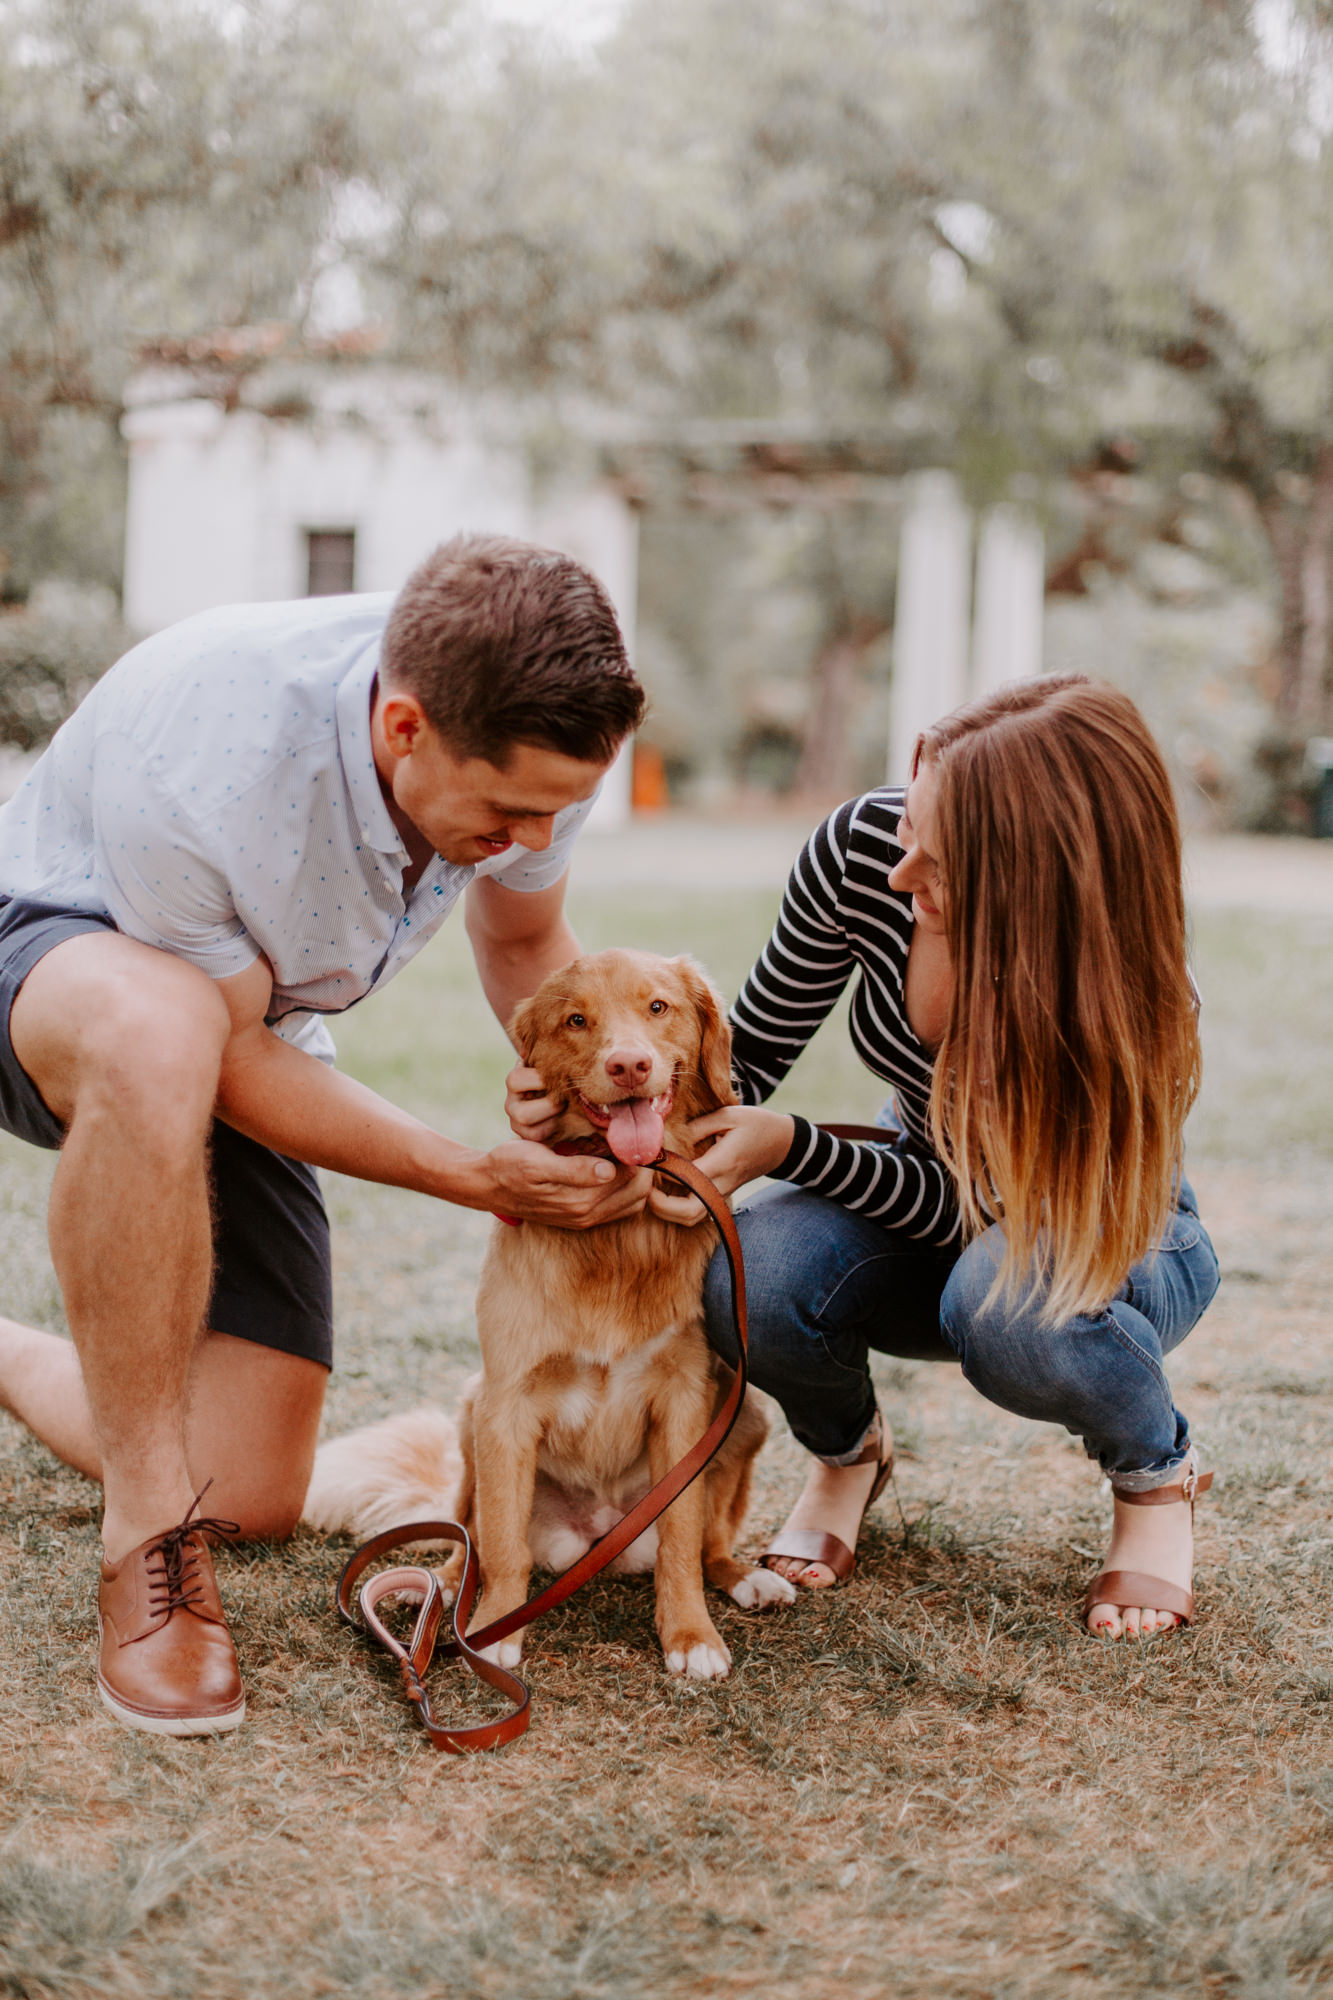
x: 178, y: 1585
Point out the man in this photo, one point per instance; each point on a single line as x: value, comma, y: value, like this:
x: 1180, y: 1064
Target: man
x: 254, y: 819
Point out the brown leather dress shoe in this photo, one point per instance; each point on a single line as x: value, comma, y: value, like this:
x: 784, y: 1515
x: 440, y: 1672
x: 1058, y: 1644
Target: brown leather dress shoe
x: 167, y: 1661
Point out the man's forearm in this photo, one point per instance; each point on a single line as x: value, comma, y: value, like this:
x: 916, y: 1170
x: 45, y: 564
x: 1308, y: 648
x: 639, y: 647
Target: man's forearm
x: 511, y: 972
x: 286, y: 1099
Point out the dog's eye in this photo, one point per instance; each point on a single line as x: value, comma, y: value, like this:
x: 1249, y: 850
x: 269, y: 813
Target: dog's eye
x: 576, y: 1021
x: 657, y: 1006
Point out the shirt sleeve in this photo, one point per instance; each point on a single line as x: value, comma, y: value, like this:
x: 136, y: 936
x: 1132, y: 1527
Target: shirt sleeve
x: 790, y: 991
x: 529, y: 872
x: 153, y: 873
x: 801, y: 972
x: 898, y: 1184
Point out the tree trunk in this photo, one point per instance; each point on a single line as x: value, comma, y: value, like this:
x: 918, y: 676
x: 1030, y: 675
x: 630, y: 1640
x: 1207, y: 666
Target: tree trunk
x: 826, y: 765
x: 1316, y: 654
x: 1300, y: 537
x: 1281, y: 524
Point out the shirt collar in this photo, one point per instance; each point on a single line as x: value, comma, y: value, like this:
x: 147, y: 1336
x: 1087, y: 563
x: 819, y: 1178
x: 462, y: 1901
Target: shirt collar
x: 358, y: 757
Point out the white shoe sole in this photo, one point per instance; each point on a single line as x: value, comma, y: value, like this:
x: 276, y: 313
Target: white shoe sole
x: 172, y: 1725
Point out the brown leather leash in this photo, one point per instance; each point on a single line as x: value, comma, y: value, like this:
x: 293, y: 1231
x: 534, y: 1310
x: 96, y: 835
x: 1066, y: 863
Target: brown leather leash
x: 416, y: 1582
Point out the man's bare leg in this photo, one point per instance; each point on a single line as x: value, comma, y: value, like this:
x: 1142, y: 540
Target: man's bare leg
x: 251, y: 1425
x: 125, y: 1044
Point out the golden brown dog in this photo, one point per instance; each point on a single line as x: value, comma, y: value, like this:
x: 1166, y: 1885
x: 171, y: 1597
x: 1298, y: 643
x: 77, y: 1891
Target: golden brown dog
x: 596, y: 1376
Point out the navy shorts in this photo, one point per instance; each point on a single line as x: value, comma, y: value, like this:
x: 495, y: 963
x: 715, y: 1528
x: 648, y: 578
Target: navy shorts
x: 272, y: 1278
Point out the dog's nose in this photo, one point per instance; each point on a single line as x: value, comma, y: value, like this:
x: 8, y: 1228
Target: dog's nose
x: 629, y: 1067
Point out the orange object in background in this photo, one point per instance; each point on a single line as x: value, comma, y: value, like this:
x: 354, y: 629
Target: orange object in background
x: 648, y: 780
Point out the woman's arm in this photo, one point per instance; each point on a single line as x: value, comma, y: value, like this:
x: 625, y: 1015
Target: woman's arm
x: 799, y: 976
x: 788, y: 995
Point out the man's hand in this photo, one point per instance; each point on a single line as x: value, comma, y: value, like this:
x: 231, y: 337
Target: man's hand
x: 531, y: 1113
x: 566, y: 1191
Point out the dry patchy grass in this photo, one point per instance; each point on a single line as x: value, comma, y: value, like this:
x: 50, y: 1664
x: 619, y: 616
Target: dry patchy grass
x: 930, y: 1782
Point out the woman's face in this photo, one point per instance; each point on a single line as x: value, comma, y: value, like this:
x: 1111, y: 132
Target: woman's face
x: 918, y: 872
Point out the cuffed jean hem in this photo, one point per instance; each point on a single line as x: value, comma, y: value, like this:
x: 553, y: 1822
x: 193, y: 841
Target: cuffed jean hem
x: 852, y: 1457
x: 1154, y: 1475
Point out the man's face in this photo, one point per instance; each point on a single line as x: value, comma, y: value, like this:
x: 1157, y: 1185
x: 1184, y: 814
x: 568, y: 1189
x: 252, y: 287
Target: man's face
x: 466, y: 809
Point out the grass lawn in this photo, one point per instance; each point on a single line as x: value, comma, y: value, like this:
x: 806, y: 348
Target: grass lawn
x: 927, y: 1783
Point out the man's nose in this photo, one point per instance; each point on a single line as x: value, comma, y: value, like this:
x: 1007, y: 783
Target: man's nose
x: 534, y: 833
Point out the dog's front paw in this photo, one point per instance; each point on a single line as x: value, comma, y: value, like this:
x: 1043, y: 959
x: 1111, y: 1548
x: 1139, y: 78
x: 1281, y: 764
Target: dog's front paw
x: 504, y: 1653
x: 762, y: 1588
x: 697, y: 1656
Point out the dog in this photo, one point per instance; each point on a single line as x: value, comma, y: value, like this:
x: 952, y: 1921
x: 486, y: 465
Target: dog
x: 596, y: 1376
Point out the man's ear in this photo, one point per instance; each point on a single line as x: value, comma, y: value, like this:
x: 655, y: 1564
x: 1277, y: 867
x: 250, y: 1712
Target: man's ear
x: 714, y: 1086
x: 402, y: 722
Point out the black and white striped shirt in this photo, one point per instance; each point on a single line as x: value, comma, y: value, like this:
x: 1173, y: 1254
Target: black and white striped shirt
x: 839, y: 918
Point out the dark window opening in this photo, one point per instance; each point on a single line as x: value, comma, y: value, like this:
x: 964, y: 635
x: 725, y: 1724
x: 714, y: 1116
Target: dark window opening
x: 330, y: 561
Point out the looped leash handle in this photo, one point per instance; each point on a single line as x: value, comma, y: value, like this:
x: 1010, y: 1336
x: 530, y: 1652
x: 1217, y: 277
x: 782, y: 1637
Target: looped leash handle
x: 414, y: 1658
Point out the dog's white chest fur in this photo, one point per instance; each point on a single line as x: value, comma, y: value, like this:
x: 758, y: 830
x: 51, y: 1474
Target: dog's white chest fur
x: 599, y: 1418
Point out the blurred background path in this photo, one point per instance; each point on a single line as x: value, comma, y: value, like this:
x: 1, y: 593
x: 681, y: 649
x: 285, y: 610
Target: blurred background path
x: 677, y: 850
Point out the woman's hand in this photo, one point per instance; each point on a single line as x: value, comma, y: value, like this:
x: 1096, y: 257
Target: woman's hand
x: 736, y: 1145
x: 531, y: 1113
x: 747, y: 1142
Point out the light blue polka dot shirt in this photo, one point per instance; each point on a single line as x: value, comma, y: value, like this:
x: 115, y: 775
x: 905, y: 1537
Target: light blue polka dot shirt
x: 216, y: 796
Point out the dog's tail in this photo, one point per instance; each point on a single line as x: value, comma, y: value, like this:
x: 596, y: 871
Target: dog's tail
x: 406, y: 1468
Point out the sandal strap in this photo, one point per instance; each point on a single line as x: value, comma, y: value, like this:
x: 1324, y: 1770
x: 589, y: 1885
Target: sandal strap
x: 1161, y: 1496
x: 808, y: 1545
x: 1128, y: 1589
x: 872, y: 1451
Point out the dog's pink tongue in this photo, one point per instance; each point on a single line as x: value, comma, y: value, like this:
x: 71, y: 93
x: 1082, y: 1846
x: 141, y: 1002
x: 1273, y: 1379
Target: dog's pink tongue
x: 635, y: 1133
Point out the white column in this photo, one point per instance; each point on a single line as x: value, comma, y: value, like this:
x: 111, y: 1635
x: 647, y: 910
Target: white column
x: 931, y: 618
x: 1010, y: 599
x: 595, y: 526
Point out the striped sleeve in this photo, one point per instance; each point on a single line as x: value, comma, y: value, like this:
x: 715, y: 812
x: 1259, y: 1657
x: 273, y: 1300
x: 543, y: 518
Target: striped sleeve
x: 802, y: 970
x: 895, y: 1184
x: 815, y: 948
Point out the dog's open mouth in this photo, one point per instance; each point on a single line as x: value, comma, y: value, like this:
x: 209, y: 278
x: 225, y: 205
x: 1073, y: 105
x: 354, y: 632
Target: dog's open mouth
x: 635, y: 1127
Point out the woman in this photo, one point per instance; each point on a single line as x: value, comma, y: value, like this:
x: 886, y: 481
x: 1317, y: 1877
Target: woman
x: 1015, y: 927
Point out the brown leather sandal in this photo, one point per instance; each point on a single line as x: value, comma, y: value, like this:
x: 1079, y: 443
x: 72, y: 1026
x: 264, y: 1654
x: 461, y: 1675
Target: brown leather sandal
x: 1130, y: 1589
x: 809, y: 1545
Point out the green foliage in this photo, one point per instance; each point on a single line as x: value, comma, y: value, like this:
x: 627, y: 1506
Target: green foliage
x: 51, y: 652
x: 988, y: 231
x: 166, y: 170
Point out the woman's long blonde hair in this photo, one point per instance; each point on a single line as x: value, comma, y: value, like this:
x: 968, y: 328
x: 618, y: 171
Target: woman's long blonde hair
x: 1071, y: 1054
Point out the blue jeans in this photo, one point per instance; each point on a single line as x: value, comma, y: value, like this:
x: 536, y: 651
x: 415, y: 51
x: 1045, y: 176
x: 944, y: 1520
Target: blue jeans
x: 825, y: 1287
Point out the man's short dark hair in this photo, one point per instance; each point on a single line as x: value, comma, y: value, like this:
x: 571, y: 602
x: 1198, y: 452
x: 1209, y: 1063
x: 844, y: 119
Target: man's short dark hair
x: 504, y: 644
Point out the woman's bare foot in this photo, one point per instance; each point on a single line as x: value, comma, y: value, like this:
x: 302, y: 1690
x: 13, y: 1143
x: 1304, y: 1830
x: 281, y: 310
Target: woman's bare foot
x: 833, y: 1502
x: 1158, y: 1541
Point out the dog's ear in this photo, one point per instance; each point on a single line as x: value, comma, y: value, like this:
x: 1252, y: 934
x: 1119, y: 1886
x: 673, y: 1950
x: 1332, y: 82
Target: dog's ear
x: 521, y: 1028
x: 713, y: 1086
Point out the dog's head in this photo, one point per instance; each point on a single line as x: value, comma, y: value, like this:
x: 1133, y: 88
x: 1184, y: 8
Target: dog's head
x: 628, y: 1041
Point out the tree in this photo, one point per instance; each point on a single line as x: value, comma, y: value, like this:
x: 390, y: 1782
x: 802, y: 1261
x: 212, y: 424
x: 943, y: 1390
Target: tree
x: 1016, y: 226
x: 1161, y: 183
x: 168, y: 167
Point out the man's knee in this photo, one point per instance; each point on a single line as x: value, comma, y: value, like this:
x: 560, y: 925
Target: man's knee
x: 273, y: 1519
x: 126, y: 1032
